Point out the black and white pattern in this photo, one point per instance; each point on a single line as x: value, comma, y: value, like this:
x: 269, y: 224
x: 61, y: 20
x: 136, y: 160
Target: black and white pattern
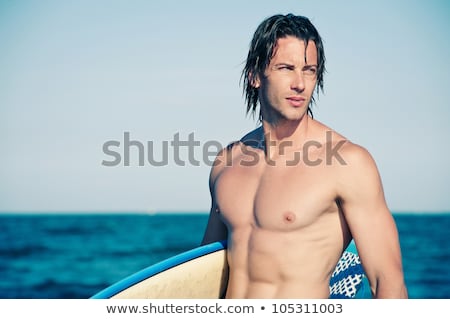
x: 347, y: 277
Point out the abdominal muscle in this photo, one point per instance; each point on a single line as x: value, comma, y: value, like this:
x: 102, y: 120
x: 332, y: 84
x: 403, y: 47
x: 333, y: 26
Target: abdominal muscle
x: 279, y: 265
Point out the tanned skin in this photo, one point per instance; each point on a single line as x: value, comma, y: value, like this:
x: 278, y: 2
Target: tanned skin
x: 289, y: 210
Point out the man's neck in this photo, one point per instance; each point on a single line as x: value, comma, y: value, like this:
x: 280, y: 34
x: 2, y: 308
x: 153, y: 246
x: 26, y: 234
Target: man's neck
x: 285, y: 136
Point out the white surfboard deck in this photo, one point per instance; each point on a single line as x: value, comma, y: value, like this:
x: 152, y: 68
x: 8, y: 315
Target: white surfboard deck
x: 202, y: 273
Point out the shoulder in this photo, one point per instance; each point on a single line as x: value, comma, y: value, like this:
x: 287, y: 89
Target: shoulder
x: 356, y: 156
x: 358, y: 177
x: 222, y: 160
x: 341, y: 150
x: 228, y: 155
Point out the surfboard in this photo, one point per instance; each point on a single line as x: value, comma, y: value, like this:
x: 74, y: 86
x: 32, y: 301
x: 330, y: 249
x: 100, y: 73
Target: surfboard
x: 202, y: 273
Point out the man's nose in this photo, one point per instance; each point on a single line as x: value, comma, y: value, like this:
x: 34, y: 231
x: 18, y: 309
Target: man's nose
x: 298, y: 81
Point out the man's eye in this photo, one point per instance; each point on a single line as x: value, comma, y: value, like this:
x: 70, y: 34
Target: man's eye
x: 310, y: 71
x: 285, y: 68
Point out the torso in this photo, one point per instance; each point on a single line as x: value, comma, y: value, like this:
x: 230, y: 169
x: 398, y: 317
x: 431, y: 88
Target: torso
x: 287, y: 221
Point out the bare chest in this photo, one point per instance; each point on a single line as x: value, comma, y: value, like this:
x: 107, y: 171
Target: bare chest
x: 275, y: 198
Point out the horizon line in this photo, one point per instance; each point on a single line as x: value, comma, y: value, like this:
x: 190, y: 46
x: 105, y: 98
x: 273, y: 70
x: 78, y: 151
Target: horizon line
x: 170, y: 212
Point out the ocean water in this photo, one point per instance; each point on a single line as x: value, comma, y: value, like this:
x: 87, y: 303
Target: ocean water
x: 73, y: 256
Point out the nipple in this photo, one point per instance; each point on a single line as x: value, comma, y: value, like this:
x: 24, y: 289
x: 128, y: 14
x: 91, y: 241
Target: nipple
x: 289, y: 217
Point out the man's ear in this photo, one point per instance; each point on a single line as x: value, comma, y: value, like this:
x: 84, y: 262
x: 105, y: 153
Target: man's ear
x: 255, y: 80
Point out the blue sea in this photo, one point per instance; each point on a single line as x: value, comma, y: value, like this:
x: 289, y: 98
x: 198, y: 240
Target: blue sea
x: 73, y: 256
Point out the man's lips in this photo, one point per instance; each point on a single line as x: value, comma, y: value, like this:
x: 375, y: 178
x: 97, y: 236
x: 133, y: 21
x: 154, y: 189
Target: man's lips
x: 296, y: 100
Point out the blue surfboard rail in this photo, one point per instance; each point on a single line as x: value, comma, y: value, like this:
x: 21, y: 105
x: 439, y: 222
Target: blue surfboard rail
x: 347, y: 281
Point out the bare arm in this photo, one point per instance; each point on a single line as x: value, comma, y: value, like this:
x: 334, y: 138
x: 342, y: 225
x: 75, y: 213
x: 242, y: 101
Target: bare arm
x: 371, y: 223
x: 215, y: 229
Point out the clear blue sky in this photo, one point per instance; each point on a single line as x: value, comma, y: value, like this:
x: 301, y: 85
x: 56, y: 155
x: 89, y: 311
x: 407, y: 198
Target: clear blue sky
x: 76, y: 74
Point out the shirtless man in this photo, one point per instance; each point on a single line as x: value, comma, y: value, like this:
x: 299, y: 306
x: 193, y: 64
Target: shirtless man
x: 291, y: 195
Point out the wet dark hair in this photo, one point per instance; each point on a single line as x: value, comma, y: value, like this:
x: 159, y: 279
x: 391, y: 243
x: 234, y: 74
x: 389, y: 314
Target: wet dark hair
x: 262, y: 49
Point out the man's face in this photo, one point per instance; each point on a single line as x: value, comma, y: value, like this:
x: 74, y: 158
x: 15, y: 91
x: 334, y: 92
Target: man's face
x: 286, y: 88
